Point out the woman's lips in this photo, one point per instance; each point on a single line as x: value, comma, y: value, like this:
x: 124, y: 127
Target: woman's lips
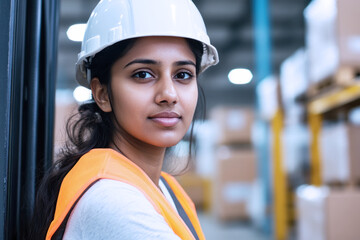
x: 166, y: 119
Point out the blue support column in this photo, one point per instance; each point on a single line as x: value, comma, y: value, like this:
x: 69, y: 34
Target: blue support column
x: 263, y: 64
x: 262, y: 39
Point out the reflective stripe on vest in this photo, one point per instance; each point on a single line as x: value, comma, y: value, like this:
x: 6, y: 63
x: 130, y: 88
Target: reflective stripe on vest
x: 109, y: 164
x: 180, y: 209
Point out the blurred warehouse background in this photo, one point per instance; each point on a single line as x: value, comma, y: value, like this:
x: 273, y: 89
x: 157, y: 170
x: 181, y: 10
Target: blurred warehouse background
x: 277, y: 155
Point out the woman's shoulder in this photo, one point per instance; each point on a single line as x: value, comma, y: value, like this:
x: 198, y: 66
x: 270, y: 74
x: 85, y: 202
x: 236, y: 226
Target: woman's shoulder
x: 112, y: 208
x: 108, y: 190
x: 106, y: 197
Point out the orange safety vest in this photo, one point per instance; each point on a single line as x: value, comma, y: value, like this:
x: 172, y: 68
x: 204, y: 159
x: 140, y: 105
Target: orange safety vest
x: 109, y: 164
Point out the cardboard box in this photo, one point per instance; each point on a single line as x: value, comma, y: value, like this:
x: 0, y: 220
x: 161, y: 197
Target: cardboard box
x: 293, y: 77
x: 296, y: 141
x: 310, y: 206
x: 236, y: 172
x: 268, y: 91
x: 198, y: 188
x: 328, y: 214
x: 236, y: 164
x: 354, y: 152
x: 348, y: 32
x: 332, y: 37
x: 340, y: 153
x: 234, y: 124
x: 343, y: 215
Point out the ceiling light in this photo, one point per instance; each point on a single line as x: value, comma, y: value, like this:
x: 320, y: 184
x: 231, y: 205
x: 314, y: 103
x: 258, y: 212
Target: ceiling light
x: 82, y: 94
x: 240, y: 76
x: 76, y: 32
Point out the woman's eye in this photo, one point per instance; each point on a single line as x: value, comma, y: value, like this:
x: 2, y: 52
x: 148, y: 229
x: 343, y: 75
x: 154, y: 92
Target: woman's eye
x: 142, y: 74
x: 183, y: 75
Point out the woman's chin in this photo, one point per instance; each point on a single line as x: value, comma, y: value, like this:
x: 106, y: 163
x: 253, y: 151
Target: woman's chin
x: 167, y: 142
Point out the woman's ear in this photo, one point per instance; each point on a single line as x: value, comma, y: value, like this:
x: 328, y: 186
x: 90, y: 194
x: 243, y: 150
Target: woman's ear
x: 100, y: 95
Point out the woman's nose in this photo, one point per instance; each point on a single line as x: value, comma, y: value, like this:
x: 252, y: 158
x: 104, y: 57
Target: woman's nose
x: 166, y: 92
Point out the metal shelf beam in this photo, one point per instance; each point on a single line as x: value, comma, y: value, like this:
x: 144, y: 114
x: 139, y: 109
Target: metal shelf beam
x: 334, y: 100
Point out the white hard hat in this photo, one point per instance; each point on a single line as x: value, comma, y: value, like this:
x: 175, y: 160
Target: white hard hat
x: 116, y: 20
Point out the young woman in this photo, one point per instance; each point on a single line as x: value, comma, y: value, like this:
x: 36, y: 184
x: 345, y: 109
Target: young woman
x: 141, y: 60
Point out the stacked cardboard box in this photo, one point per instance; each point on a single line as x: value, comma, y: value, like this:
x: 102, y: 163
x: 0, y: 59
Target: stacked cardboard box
x: 198, y: 189
x: 234, y: 123
x: 332, y: 37
x: 340, y: 153
x: 235, y: 162
x: 293, y: 78
x: 234, y: 181
x: 328, y: 214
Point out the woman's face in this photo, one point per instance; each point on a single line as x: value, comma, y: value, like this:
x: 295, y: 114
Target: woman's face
x: 154, y: 90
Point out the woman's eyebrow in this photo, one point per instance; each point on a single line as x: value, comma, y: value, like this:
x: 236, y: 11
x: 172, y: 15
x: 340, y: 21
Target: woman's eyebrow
x: 143, y: 61
x: 150, y: 61
x: 182, y: 63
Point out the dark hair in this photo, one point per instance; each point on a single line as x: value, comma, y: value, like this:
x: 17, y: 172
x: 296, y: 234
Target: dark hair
x: 89, y: 128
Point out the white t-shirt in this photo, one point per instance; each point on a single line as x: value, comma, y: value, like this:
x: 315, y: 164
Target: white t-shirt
x: 115, y: 210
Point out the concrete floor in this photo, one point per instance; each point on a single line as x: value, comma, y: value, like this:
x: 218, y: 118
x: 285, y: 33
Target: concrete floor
x: 216, y: 230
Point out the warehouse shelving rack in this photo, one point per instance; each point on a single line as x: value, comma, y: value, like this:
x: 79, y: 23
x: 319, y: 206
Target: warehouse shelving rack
x: 346, y: 99
x: 281, y: 212
x: 317, y: 109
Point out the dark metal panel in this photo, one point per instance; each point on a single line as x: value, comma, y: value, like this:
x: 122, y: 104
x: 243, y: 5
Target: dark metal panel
x: 27, y: 93
x: 39, y: 84
x: 5, y: 38
x: 31, y: 110
x: 16, y: 117
x: 51, y: 21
